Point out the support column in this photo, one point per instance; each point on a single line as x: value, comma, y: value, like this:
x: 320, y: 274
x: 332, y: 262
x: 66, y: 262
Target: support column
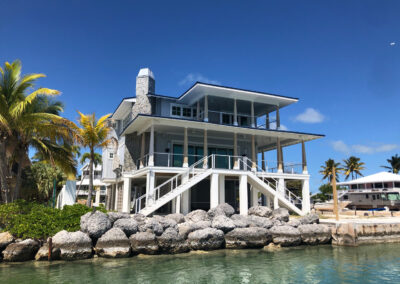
x: 151, y: 147
x: 304, y: 158
x: 267, y: 201
x: 305, y: 206
x: 178, y: 204
x: 235, y: 118
x: 267, y: 121
x: 143, y: 144
x: 205, y: 149
x: 214, y: 190
x: 243, y: 198
x: 150, y: 181
x: 185, y: 197
x: 254, y: 196
x: 97, y: 198
x: 263, y: 160
x: 126, y: 200
x: 276, y: 203
x: 253, y: 154
x: 278, y: 119
x: 278, y: 155
x: 235, y: 152
x: 253, y: 121
x: 221, y: 189
x: 198, y: 110
x: 185, y: 149
x: 206, y: 108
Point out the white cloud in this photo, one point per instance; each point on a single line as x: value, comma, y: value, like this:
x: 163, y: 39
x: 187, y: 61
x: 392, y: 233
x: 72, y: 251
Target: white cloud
x: 392, y: 43
x: 310, y: 115
x: 342, y: 147
x: 282, y: 127
x: 194, y: 77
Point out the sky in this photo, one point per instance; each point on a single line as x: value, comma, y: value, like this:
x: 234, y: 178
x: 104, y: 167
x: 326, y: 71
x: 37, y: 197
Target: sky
x: 340, y: 58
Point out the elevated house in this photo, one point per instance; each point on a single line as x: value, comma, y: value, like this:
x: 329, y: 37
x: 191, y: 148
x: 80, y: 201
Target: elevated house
x: 205, y: 147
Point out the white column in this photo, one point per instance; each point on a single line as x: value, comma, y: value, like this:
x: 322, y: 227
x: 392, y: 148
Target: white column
x: 304, y: 158
x: 267, y: 201
x: 198, y: 110
x: 97, y: 198
x: 253, y: 121
x: 213, y: 190
x: 143, y: 144
x: 185, y: 197
x: 126, y: 200
x: 206, y: 108
x: 253, y: 154
x: 281, y: 186
x: 278, y: 155
x: 185, y: 149
x: 205, y: 149
x: 243, y: 198
x: 178, y: 204
x: 254, y: 196
x: 306, y: 196
x: 150, y: 181
x: 116, y: 197
x: 151, y: 147
x: 276, y: 203
x: 235, y: 152
x: 221, y: 189
x: 235, y: 118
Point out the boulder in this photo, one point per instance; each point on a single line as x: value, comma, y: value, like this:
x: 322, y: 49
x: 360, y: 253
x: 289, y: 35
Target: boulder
x: 240, y: 221
x: 261, y: 211
x: 177, y: 217
x: 310, y: 218
x: 21, y: 251
x: 144, y: 242
x: 247, y: 238
x: 151, y: 225
x: 166, y: 222
x: 43, y: 253
x: 313, y: 234
x: 261, y: 222
x: 281, y: 214
x: 197, y: 216
x: 113, y: 244
x: 128, y: 226
x: 95, y: 224
x: 294, y: 223
x: 285, y: 235
x: 5, y: 239
x: 187, y: 227
x: 172, y: 242
x: 73, y: 246
x: 223, y: 223
x: 140, y: 218
x: 206, y: 239
x: 114, y: 216
x: 221, y: 209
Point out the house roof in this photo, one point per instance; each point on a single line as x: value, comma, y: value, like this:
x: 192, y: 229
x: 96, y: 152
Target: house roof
x: 378, y: 177
x: 123, y: 108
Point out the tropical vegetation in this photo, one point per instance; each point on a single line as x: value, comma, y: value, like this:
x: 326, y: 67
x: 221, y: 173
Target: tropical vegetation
x: 327, y: 170
x: 353, y: 167
x: 394, y: 164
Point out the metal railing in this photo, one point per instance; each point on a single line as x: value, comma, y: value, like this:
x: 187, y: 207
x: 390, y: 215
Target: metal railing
x: 167, y: 160
x: 288, y: 167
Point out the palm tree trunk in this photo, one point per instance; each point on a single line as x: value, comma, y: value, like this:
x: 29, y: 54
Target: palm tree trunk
x: 18, y: 182
x: 89, y: 200
x: 4, y: 188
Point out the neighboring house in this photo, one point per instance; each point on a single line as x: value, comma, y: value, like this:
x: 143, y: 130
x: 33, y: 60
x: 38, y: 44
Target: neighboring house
x: 212, y: 144
x: 99, y: 187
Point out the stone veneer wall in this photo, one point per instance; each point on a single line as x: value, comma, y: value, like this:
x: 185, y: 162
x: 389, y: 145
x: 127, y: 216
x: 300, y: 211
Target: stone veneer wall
x: 144, y: 85
x: 132, y: 150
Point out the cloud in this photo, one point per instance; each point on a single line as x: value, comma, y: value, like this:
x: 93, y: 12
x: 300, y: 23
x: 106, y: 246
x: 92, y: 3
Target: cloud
x: 194, y: 77
x: 310, y: 115
x: 342, y: 147
x: 392, y: 43
x: 282, y: 127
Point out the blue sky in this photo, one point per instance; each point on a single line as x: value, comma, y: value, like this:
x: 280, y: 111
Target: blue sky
x: 341, y: 58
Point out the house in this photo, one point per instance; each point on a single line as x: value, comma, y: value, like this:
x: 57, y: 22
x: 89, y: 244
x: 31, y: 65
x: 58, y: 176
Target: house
x: 212, y: 144
x: 82, y: 184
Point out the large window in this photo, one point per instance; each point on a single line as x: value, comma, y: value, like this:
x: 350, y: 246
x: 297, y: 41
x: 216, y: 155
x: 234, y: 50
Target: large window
x: 182, y: 111
x: 195, y: 153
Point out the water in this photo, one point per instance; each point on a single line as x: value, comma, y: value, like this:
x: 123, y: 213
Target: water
x: 323, y: 264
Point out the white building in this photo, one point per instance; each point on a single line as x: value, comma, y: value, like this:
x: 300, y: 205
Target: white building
x: 210, y: 145
x: 99, y: 187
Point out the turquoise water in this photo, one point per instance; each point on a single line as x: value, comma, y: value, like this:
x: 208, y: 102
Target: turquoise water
x: 323, y: 264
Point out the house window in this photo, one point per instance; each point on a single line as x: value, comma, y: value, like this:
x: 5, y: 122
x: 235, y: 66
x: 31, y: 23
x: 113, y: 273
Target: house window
x: 373, y: 197
x: 111, y: 155
x: 176, y: 110
x: 187, y: 112
x: 194, y: 112
x: 226, y: 118
x: 366, y: 196
x: 378, y: 196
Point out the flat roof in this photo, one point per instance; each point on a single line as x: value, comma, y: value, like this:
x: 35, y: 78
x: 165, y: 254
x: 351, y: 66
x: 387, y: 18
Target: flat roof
x: 378, y: 177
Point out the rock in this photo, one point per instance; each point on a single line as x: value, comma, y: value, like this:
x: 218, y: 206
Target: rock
x: 223, y: 223
x: 294, y: 223
x: 95, y: 224
x: 206, y: 239
x: 285, y: 235
x: 5, y: 239
x: 113, y: 244
x: 240, y: 221
x: 166, y: 222
x: 281, y: 214
x: 144, y: 242
x: 21, y: 251
x: 140, y: 218
x: 73, y: 246
x: 310, y: 218
x: 151, y: 225
x: 185, y: 228
x: 43, y: 253
x: 221, y: 209
x: 197, y: 216
x: 261, y: 211
x: 172, y: 242
x: 128, y: 226
x: 262, y: 222
x: 177, y: 217
x: 313, y: 234
x: 247, y: 238
x: 114, y: 216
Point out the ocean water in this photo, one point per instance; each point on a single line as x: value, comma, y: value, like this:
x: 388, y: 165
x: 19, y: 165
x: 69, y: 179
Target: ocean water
x: 378, y: 263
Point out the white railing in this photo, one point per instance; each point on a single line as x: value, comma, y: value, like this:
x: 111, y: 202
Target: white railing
x: 288, y: 167
x: 167, y: 160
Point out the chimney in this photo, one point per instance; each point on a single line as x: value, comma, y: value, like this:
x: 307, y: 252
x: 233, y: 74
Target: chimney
x: 145, y: 84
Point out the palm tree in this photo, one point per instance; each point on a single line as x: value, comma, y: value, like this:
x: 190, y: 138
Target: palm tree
x: 93, y: 134
x: 27, y: 120
x: 352, y: 167
x: 97, y: 161
x: 394, y: 164
x: 327, y: 170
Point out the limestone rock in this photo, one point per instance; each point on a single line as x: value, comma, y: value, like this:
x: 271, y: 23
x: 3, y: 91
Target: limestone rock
x: 43, y: 253
x: 313, y: 234
x: 221, y: 209
x: 206, y: 239
x: 177, y: 217
x: 21, y: 251
x: 261, y: 211
x: 166, y: 222
x: 73, y: 246
x: 114, y: 216
x: 281, y: 214
x: 128, y: 226
x: 285, y: 235
x: 240, y: 221
x: 223, y: 223
x: 113, y: 244
x: 95, y: 224
x: 151, y: 225
x: 247, y: 238
x: 197, y: 216
x: 144, y: 242
x: 172, y: 242
x: 262, y: 222
x: 310, y: 218
x: 294, y: 223
x: 140, y: 218
x: 187, y: 227
x: 5, y: 239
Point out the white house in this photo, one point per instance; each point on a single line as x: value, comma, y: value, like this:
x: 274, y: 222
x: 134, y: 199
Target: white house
x: 210, y: 145
x: 99, y: 187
